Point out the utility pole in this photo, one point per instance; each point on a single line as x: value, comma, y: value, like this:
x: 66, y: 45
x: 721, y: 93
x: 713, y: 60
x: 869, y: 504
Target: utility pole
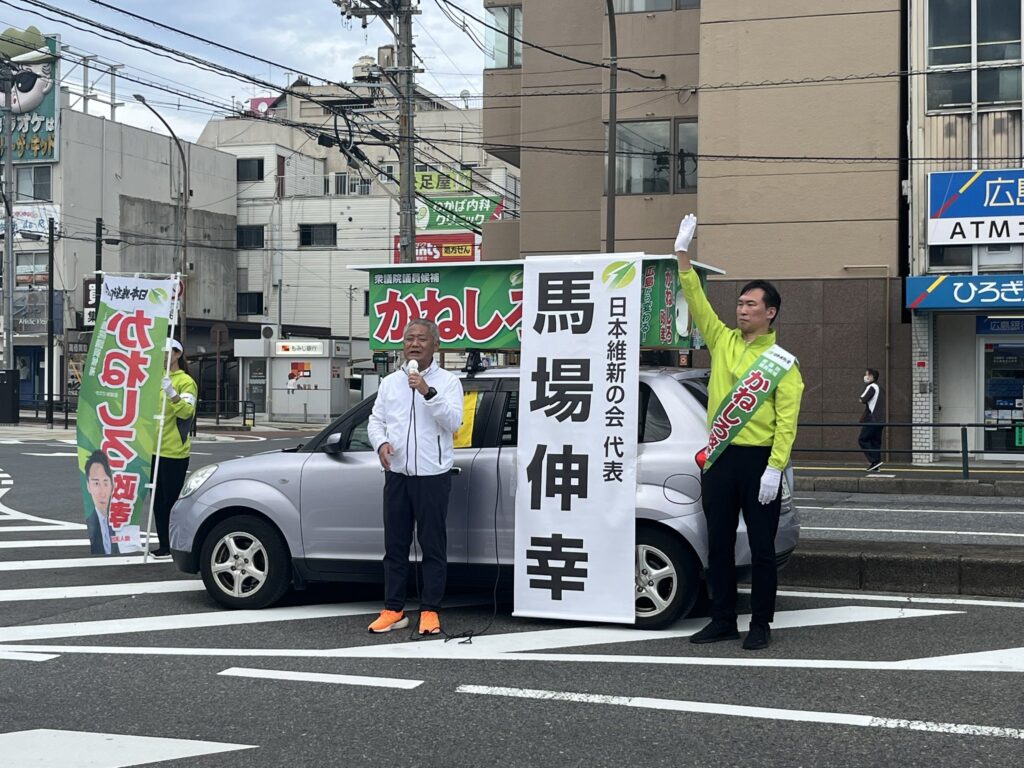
x: 7, y: 78
x: 401, y: 12
x: 51, y: 363
x: 613, y: 108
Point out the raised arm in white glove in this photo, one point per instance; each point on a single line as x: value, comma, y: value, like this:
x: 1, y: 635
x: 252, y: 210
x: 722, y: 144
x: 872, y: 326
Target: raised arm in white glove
x: 687, y: 227
x: 770, y: 482
x: 169, y: 389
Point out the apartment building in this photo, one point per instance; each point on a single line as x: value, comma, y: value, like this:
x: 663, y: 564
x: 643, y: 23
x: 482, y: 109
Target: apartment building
x: 779, y: 124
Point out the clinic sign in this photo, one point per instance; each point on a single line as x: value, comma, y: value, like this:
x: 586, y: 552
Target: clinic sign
x: 976, y: 207
x: 35, y: 59
x: 948, y: 292
x: 457, y: 212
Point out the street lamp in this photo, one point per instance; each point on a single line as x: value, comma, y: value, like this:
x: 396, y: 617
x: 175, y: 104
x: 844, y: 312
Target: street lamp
x: 186, y: 193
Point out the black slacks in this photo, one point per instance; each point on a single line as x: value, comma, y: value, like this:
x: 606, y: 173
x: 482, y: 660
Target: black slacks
x: 421, y: 502
x: 870, y: 441
x: 168, y: 487
x: 729, y: 486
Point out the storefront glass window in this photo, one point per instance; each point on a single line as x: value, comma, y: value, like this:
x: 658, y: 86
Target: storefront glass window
x: 1004, y: 397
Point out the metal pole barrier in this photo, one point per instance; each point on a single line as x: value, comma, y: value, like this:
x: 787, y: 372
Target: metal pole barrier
x: 66, y: 414
x: 963, y: 452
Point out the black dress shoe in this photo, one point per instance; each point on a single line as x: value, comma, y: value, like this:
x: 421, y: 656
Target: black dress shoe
x: 759, y: 636
x: 715, y: 632
x: 160, y: 553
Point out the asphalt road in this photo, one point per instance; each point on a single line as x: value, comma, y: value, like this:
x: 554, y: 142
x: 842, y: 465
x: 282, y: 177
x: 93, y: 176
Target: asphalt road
x: 121, y: 665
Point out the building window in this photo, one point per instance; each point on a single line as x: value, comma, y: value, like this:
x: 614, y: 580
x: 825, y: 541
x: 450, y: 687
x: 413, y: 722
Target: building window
x: 250, y: 303
x: 30, y: 267
x: 341, y: 183
x: 688, y: 4
x: 366, y: 303
x: 249, y: 169
x: 33, y: 184
x: 953, y: 43
x: 641, y: 6
x: 249, y: 236
x: 686, y: 156
x: 318, y: 235
x: 502, y: 36
x: 388, y: 174
x: 364, y: 187
x: 950, y: 257
x: 644, y: 160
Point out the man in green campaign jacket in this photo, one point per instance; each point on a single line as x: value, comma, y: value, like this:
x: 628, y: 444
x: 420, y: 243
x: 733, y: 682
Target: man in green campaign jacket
x: 753, y: 405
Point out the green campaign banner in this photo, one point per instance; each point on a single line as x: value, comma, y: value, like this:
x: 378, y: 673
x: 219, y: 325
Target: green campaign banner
x: 119, y: 406
x: 474, y: 308
x: 458, y: 212
x: 479, y: 306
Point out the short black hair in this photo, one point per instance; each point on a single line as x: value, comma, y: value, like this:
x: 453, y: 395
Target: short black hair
x: 873, y: 372
x: 771, y: 295
x: 98, y: 457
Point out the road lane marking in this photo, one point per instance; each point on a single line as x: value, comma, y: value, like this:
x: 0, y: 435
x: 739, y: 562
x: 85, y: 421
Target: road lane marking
x: 21, y: 656
x: 218, y: 618
x: 43, y: 543
x: 50, y: 527
x: 13, y: 514
x: 322, y: 677
x: 922, y: 511
x: 78, y: 562
x: 734, y: 710
x: 100, y: 590
x: 47, y: 748
x: 897, y: 598
x: 912, y: 531
x: 51, y: 454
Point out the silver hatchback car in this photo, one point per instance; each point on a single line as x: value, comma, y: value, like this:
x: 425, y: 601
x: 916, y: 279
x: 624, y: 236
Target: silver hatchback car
x: 254, y: 527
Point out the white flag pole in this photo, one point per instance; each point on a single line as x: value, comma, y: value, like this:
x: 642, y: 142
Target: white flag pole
x: 160, y: 419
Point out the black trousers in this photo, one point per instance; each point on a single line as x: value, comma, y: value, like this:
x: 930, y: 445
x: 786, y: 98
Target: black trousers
x: 870, y: 441
x: 168, y: 487
x: 423, y: 502
x: 729, y: 486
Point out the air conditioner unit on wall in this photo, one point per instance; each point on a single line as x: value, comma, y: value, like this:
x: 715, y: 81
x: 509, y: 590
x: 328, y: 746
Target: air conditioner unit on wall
x: 270, y: 332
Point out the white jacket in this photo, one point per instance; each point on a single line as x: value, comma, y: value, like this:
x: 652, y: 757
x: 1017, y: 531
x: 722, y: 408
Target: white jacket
x: 420, y: 431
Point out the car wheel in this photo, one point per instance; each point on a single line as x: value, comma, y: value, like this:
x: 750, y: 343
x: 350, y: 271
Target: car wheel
x: 245, y: 563
x: 667, y: 578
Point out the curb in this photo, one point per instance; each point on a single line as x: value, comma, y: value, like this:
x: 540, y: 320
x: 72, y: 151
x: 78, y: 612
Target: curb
x: 929, y: 569
x: 914, y: 486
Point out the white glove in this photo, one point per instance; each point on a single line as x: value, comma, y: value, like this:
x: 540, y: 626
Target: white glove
x: 169, y: 389
x: 770, y: 482
x: 686, y: 229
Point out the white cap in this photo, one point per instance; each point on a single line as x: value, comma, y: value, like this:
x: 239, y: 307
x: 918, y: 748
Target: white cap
x: 175, y: 344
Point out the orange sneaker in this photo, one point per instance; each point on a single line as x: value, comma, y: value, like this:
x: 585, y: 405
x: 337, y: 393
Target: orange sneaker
x: 430, y: 623
x: 389, y: 620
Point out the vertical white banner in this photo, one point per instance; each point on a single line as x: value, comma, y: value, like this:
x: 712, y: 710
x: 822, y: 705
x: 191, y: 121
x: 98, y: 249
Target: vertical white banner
x: 577, y: 448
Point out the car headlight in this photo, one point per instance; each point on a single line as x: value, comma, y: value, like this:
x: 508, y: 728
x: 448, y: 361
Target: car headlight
x: 196, y: 480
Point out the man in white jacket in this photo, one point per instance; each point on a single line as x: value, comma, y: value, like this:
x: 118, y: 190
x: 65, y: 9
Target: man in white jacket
x: 418, y: 410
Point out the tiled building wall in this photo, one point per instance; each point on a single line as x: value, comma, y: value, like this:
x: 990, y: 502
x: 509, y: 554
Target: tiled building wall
x: 837, y: 329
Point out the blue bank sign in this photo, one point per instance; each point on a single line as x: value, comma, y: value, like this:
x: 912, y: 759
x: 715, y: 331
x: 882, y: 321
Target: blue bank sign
x: 966, y: 292
x: 976, y: 207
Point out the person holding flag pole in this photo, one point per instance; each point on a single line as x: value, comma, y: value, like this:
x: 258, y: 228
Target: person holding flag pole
x: 173, y: 444
x: 753, y: 405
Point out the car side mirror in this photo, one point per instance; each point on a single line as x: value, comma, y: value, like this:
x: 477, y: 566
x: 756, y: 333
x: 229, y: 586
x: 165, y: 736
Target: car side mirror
x: 333, y: 444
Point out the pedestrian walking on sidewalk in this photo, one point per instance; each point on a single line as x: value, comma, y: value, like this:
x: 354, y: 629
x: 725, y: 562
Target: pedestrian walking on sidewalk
x: 180, y: 394
x: 873, y: 420
x: 753, y: 404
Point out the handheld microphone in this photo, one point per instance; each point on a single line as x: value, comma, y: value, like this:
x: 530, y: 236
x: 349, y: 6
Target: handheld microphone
x: 412, y: 366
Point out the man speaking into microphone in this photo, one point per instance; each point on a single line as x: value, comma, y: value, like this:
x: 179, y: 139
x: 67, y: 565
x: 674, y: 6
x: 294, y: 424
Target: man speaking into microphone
x: 417, y: 411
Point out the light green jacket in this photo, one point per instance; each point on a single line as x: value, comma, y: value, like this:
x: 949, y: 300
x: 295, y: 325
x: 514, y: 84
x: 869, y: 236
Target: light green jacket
x: 178, y: 418
x: 774, y: 423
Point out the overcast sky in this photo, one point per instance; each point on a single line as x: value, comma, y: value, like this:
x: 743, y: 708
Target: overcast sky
x: 303, y: 35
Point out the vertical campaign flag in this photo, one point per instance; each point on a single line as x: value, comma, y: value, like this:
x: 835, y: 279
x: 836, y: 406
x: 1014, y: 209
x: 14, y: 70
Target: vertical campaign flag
x: 575, y: 529
x: 118, y: 404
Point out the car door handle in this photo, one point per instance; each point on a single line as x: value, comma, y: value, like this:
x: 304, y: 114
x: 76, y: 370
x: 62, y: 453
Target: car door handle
x: 455, y: 471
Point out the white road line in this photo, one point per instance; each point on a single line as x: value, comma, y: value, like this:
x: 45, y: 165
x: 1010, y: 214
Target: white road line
x: 183, y: 621
x: 42, y: 543
x: 922, y: 511
x: 78, y: 562
x: 61, y: 453
x: 913, y: 531
x: 7, y: 512
x: 51, y: 527
x: 322, y: 677
x: 761, y: 713
x: 46, y: 748
x: 99, y: 590
x: 898, y: 599
x: 16, y: 656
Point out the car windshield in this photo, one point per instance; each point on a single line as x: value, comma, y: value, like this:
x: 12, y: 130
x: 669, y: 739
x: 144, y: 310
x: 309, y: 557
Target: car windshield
x: 698, y: 388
